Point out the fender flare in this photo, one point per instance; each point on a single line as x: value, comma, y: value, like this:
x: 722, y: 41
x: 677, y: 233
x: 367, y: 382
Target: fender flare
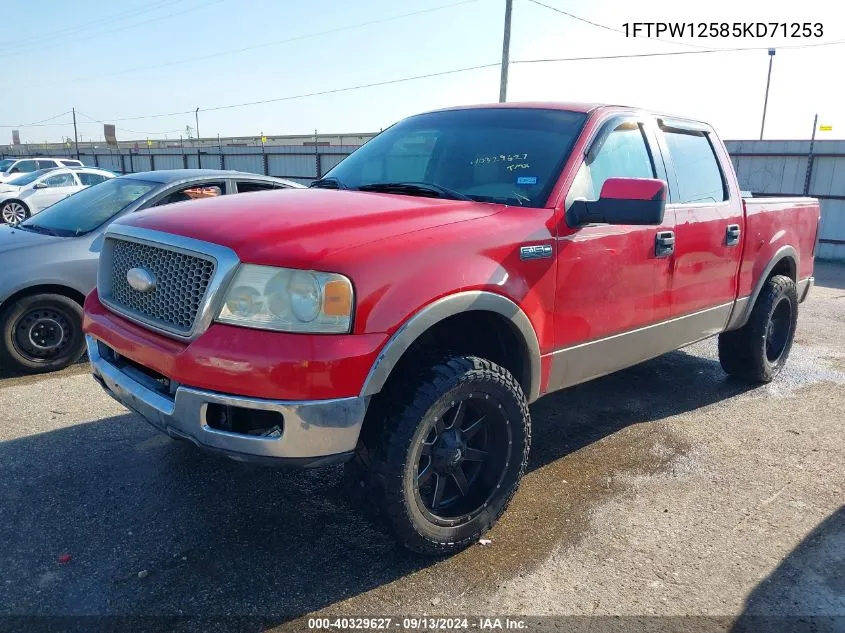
x: 744, y: 305
x: 444, y: 308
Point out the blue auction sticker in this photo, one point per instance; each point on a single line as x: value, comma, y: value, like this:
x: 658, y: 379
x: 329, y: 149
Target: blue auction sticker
x: 526, y: 180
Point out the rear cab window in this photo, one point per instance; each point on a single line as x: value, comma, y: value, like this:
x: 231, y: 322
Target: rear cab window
x: 698, y: 173
x: 248, y: 186
x: 88, y: 179
x: 71, y: 163
x: 46, y: 164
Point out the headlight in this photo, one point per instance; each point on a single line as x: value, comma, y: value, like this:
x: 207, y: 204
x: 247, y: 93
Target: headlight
x: 288, y: 300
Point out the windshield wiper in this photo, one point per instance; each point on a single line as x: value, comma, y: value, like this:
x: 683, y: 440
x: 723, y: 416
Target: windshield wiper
x: 328, y: 183
x: 37, y: 228
x: 415, y: 189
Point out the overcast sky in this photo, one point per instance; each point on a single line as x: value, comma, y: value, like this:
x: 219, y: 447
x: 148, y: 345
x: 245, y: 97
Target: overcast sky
x: 116, y: 60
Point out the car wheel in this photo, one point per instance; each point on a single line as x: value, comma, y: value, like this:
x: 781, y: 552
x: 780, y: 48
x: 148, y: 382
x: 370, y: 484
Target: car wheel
x: 14, y: 212
x: 41, y: 333
x: 449, y: 455
x: 758, y: 350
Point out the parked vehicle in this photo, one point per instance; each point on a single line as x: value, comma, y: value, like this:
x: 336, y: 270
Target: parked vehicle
x: 29, y: 194
x: 13, y: 167
x: 49, y: 262
x: 467, y: 262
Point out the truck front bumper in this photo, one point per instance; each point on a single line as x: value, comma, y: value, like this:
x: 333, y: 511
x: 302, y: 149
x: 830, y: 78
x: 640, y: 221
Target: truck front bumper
x: 307, y: 434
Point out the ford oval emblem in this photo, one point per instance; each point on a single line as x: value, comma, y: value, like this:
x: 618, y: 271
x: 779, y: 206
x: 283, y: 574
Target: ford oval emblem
x: 141, y: 279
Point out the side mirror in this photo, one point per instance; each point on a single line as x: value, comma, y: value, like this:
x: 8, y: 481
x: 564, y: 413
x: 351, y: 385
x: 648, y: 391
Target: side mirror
x: 40, y: 185
x: 622, y: 201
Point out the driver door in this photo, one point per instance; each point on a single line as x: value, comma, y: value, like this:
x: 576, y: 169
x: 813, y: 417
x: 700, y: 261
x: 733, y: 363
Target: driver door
x: 612, y: 280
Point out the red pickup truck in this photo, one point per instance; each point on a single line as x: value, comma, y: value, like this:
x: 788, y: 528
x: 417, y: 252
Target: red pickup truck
x: 401, y: 314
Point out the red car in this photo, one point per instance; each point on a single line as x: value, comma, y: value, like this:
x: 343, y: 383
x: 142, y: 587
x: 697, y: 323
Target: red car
x: 402, y: 313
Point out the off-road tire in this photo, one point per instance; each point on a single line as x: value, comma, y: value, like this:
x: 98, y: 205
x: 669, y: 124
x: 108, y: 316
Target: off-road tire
x: 68, y: 313
x: 743, y: 352
x: 382, y: 468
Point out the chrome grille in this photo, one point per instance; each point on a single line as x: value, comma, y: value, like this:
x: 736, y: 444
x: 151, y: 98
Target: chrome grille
x: 181, y: 283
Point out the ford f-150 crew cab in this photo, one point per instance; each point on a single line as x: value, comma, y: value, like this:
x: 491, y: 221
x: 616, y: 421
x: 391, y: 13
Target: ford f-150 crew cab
x: 402, y: 313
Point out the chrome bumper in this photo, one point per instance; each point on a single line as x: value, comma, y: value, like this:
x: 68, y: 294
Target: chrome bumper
x: 315, y: 433
x: 804, y: 287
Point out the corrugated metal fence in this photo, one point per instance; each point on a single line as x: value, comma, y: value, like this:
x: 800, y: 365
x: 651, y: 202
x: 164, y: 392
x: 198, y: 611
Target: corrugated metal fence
x: 763, y: 167
x: 773, y: 168
x: 299, y: 163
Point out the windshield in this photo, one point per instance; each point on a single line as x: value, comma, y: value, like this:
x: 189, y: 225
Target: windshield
x: 91, y: 207
x: 509, y: 155
x: 25, y: 179
x: 5, y: 164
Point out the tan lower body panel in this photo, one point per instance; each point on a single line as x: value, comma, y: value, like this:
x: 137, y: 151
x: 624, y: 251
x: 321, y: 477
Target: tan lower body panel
x: 580, y: 363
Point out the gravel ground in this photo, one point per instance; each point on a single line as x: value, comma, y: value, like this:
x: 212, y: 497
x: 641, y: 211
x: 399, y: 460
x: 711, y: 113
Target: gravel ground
x: 663, y: 490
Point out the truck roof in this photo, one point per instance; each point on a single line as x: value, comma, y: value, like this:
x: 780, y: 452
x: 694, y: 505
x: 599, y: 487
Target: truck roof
x: 573, y: 106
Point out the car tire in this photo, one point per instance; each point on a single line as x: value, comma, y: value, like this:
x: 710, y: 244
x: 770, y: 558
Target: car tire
x: 446, y: 453
x: 41, y: 333
x: 758, y: 350
x: 14, y: 212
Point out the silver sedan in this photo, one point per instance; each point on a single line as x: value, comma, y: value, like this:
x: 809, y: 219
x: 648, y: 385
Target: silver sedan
x: 49, y: 261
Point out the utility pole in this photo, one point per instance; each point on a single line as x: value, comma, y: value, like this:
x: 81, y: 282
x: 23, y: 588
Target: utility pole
x: 197, y: 118
x: 766, y: 101
x: 75, y: 137
x: 506, y: 48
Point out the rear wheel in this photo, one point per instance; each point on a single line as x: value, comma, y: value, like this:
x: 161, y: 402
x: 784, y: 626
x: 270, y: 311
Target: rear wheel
x: 449, y: 455
x: 758, y: 351
x: 41, y: 333
x: 14, y: 212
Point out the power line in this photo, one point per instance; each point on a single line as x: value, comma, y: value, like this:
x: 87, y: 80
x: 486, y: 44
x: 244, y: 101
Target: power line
x: 40, y: 123
x: 610, y: 28
x: 674, y: 53
x: 253, y: 47
x: 85, y: 25
x: 444, y: 73
x: 123, y: 129
x: 127, y: 26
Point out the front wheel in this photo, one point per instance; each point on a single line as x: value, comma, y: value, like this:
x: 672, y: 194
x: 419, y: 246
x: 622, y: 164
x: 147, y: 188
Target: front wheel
x: 14, y: 212
x: 450, y: 453
x: 41, y: 333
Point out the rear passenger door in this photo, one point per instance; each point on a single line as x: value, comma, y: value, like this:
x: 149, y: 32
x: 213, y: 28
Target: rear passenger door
x: 708, y: 225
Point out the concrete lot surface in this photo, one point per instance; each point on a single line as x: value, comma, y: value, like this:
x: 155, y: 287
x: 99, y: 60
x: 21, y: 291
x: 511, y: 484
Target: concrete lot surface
x: 666, y: 489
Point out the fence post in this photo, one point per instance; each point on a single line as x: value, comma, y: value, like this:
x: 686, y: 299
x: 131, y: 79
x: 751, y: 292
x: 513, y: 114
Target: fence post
x: 122, y: 163
x: 96, y: 161
x: 810, y: 157
x: 152, y: 162
x: 185, y: 161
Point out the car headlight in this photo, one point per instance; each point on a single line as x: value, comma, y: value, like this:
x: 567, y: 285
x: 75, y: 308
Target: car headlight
x: 287, y: 300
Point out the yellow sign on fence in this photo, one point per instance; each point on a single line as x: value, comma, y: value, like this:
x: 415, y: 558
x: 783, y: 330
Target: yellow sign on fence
x: 826, y: 128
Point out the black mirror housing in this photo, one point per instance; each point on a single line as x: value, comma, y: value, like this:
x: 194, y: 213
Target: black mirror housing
x: 636, y: 201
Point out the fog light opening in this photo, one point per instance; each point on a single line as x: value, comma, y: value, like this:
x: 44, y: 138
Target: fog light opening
x: 254, y: 422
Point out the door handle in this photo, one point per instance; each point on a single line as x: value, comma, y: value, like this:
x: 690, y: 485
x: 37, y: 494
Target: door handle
x: 732, y: 235
x: 664, y: 243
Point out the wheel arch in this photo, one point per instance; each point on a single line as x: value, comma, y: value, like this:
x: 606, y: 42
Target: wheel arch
x: 783, y: 262
x: 499, y: 307
x: 40, y: 289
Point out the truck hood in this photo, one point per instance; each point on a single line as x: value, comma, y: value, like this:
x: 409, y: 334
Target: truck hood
x: 14, y: 239
x: 7, y: 188
x: 297, y: 227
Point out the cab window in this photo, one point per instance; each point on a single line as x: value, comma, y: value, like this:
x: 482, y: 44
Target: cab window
x: 697, y: 170
x: 623, y: 153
